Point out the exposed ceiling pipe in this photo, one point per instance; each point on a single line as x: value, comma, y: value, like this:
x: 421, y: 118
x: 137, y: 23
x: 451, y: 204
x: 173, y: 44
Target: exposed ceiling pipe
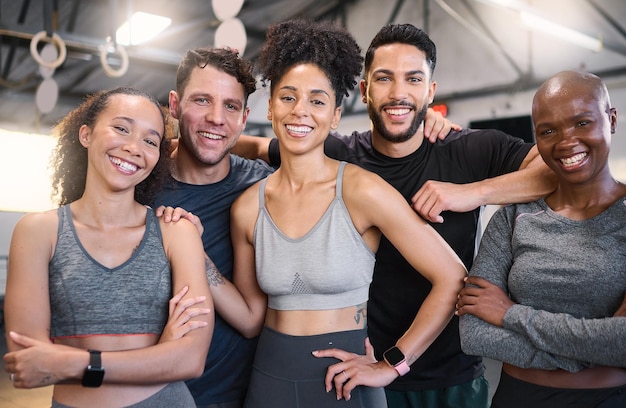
x: 93, y: 46
x: 395, y: 11
x: 613, y: 23
x: 426, y: 19
x: 482, y: 34
x: 9, y: 60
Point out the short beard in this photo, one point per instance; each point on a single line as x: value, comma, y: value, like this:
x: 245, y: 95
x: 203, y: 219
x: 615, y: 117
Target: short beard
x: 379, y: 126
x: 194, y: 151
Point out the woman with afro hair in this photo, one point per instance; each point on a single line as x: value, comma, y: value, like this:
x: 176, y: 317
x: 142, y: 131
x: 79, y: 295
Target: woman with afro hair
x: 305, y: 240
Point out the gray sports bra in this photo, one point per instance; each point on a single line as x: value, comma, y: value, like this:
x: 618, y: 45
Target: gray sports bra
x: 87, y: 298
x: 330, y: 267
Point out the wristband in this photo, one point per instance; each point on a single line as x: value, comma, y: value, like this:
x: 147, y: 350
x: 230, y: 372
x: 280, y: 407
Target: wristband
x: 395, y: 358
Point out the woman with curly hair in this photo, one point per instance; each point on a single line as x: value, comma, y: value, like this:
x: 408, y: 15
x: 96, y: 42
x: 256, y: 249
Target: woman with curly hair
x: 89, y: 284
x: 305, y: 240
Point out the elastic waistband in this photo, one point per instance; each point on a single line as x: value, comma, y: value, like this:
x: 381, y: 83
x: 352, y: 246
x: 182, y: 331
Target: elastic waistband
x: 285, y: 356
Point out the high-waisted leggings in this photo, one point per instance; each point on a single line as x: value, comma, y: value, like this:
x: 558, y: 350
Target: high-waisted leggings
x: 286, y: 374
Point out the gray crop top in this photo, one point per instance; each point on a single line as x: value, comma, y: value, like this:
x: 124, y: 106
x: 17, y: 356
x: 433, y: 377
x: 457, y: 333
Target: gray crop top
x: 87, y: 298
x: 330, y: 267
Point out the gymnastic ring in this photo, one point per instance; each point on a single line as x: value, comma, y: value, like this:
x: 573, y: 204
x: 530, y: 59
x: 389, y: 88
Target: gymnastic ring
x: 114, y: 73
x: 57, y: 41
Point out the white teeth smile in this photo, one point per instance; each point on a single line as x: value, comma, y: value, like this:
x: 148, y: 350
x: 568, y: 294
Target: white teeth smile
x: 574, y: 160
x: 123, y: 164
x: 299, y: 129
x: 397, y: 111
x: 211, y: 136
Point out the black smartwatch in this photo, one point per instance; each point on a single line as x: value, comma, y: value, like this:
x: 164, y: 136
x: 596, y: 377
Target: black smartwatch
x: 94, y: 373
x: 395, y: 358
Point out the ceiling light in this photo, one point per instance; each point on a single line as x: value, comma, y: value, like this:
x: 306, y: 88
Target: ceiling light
x: 531, y: 19
x: 505, y: 3
x: 140, y: 28
x: 576, y: 37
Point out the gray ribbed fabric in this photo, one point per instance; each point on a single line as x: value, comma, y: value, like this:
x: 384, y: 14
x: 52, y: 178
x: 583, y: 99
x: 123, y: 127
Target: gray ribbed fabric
x: 568, y: 278
x: 328, y: 268
x: 87, y: 298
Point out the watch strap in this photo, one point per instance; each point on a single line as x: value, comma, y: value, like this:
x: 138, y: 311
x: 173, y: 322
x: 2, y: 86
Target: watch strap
x: 94, y: 373
x: 95, y: 359
x: 395, y: 358
x: 402, y: 368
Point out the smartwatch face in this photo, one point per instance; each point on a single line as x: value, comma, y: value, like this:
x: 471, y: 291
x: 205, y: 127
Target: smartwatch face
x: 93, y: 377
x: 394, y: 356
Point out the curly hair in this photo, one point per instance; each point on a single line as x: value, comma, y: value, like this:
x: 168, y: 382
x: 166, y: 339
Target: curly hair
x: 224, y: 59
x: 402, y: 34
x: 324, y: 44
x: 69, y: 157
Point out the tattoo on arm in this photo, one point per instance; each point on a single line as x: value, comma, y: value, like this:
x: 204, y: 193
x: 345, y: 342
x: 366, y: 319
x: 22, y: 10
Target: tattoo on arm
x: 361, y: 313
x: 213, y: 276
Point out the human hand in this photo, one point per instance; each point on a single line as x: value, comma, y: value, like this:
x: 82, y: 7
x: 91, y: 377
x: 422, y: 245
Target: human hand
x: 621, y: 312
x: 437, y: 196
x: 355, y: 370
x: 40, y: 363
x: 484, y: 300
x: 179, y: 321
x: 171, y: 214
x: 436, y: 126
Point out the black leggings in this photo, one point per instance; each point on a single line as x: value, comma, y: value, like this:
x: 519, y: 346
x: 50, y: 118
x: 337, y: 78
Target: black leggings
x: 514, y: 393
x: 286, y: 374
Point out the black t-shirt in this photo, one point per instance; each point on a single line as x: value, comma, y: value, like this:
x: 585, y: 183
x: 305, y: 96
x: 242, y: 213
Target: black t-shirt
x: 397, y: 290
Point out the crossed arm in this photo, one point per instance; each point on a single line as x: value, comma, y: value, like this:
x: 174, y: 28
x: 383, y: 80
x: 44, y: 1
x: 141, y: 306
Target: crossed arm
x: 494, y: 326
x: 36, y: 361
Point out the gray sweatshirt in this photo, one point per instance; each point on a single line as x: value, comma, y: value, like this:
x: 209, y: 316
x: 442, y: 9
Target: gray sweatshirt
x: 567, y: 277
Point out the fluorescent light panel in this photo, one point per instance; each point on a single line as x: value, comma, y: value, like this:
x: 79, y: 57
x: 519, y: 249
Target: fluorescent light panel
x: 531, y: 20
x: 140, y: 28
x: 576, y: 37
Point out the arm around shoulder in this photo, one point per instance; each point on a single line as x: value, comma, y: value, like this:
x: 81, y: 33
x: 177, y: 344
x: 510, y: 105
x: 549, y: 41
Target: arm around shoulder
x: 253, y: 147
x: 531, y: 181
x: 242, y: 303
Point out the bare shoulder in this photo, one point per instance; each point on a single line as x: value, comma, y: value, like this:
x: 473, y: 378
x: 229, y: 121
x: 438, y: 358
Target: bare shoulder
x: 248, y: 201
x: 182, y: 226
x: 372, y: 201
x: 181, y: 239
x: 361, y: 183
x: 41, y: 223
x: 35, y: 236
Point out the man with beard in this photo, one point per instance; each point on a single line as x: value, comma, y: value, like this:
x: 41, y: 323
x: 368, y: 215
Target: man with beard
x: 447, y: 183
